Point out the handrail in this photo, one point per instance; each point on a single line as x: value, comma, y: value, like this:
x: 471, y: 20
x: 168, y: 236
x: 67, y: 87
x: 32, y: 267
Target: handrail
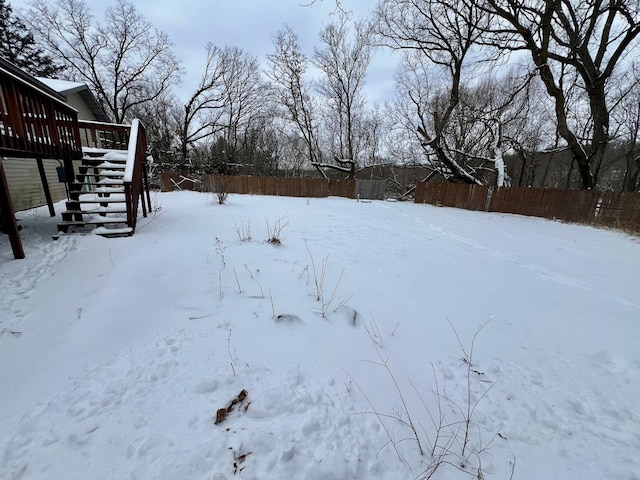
x: 104, y: 135
x: 135, y: 174
x: 132, y: 150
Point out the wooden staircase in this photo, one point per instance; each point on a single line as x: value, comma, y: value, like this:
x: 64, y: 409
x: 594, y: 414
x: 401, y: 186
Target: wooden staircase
x: 97, y: 200
x: 110, y: 185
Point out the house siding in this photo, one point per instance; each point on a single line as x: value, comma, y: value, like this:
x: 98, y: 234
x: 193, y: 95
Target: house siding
x: 25, y: 186
x: 76, y: 102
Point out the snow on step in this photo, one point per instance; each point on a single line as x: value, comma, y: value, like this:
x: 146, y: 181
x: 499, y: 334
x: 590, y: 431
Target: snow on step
x: 112, y: 231
x: 111, y: 173
x: 109, y: 181
x: 114, y: 197
x: 110, y: 165
x: 108, y: 190
x: 104, y: 154
x: 99, y: 209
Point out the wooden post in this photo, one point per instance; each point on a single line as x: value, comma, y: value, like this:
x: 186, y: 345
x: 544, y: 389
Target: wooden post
x: 7, y: 208
x: 69, y: 173
x: 45, y: 186
x: 145, y: 174
x: 142, y: 199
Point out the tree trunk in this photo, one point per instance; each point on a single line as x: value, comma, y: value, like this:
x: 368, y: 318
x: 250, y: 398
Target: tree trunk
x: 578, y: 153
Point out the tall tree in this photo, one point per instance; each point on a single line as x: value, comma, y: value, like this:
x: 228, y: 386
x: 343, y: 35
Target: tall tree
x: 18, y: 46
x: 629, y: 111
x: 242, y: 97
x: 197, y: 119
x: 438, y: 37
x: 344, y: 62
x: 586, y: 40
x: 159, y: 126
x: 287, y: 67
x: 123, y: 58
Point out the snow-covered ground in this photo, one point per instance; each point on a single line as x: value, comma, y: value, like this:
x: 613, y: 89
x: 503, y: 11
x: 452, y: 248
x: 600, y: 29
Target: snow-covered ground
x: 117, y: 354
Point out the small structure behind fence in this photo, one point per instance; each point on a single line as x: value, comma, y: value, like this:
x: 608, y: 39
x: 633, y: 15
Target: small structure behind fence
x: 370, y: 189
x: 610, y: 209
x: 283, y: 186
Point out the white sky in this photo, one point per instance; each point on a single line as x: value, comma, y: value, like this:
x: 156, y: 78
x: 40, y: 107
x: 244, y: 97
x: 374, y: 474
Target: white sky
x: 249, y: 24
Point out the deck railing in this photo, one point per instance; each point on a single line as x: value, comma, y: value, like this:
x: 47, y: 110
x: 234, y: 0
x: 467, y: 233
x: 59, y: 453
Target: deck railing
x: 104, y: 135
x: 35, y: 123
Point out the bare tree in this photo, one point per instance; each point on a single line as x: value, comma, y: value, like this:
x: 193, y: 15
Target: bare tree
x: 123, y: 58
x: 344, y: 62
x: 439, y: 37
x: 287, y: 67
x: 373, y: 130
x: 197, y: 119
x: 630, y: 125
x: 159, y: 125
x: 565, y: 38
x: 242, y: 96
x: 338, y: 7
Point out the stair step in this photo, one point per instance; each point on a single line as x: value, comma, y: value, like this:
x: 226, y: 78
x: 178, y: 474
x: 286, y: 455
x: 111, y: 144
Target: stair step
x: 95, y: 211
x: 109, y: 189
x: 102, y: 172
x: 101, y: 195
x: 93, y: 221
x: 102, y: 231
x: 100, y: 200
x: 114, y: 232
x: 99, y: 178
x: 97, y: 215
x: 101, y: 183
x: 100, y: 153
x: 103, y: 163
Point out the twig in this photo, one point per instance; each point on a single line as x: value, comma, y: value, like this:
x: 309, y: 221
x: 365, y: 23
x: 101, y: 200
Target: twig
x: 317, y: 280
x: 256, y: 280
x: 469, y: 362
x: 275, y: 235
x: 380, y: 416
x: 237, y: 280
x: 393, y: 333
x: 231, y: 357
x: 273, y: 310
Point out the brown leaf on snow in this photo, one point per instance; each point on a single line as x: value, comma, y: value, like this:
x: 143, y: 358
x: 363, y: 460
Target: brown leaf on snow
x: 222, y: 413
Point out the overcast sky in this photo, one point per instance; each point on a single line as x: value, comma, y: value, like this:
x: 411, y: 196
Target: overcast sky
x: 249, y: 24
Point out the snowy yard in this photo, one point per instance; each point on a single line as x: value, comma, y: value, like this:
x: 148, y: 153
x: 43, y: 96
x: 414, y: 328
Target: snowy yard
x: 117, y: 354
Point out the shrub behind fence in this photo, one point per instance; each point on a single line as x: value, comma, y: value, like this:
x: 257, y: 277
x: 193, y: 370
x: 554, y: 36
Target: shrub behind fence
x: 611, y: 209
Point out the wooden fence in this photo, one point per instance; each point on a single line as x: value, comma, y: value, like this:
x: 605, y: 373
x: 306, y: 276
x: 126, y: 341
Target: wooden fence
x: 283, y: 186
x: 610, y: 209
